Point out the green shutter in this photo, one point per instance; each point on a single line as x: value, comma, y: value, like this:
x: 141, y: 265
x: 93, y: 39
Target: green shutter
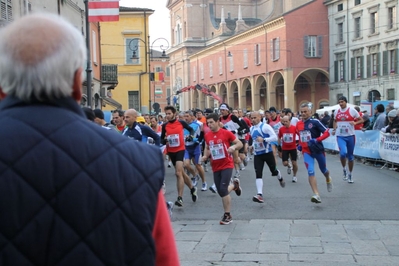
x: 320, y: 45
x: 396, y: 61
x: 336, y: 74
x: 345, y: 76
x: 368, y: 65
x: 305, y: 46
x: 362, y: 66
x: 385, y: 63
x: 353, y: 68
x: 378, y: 64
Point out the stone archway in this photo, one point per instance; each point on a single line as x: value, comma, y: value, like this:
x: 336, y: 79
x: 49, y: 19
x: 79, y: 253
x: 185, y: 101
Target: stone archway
x: 246, y: 95
x: 260, y: 100
x: 277, y: 88
x: 211, y: 99
x: 373, y: 95
x: 223, y: 93
x: 233, y: 94
x: 196, y: 99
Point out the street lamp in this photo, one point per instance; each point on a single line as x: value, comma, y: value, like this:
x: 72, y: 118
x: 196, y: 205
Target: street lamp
x: 163, y: 46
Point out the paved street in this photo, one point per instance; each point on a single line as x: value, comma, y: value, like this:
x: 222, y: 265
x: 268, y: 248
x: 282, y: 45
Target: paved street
x: 356, y: 224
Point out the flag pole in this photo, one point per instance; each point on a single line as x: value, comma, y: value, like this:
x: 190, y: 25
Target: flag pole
x: 88, y: 67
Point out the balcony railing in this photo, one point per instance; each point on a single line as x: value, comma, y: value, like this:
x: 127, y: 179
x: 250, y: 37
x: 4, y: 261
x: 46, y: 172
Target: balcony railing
x: 109, y: 74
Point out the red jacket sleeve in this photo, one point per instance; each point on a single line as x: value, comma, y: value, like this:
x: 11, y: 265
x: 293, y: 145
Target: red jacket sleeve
x: 325, y: 135
x: 165, y: 245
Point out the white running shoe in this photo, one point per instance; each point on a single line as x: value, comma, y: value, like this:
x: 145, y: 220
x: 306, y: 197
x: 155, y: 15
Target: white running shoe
x: 315, y: 199
x: 294, y: 179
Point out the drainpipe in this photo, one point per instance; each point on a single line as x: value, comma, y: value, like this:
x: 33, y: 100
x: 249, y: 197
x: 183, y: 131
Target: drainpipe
x: 347, y: 49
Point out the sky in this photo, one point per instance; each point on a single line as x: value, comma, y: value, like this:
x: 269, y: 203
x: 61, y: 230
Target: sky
x: 159, y: 20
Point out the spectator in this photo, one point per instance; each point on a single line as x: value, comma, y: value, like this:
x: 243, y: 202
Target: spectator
x: 99, y: 119
x: 379, y: 119
x: 331, y: 122
x: 326, y: 119
x: 366, y: 120
x: 393, y: 125
x: 72, y: 192
x: 388, y: 108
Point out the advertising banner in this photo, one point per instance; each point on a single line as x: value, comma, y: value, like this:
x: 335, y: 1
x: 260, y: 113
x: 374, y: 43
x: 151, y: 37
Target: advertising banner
x: 389, y: 147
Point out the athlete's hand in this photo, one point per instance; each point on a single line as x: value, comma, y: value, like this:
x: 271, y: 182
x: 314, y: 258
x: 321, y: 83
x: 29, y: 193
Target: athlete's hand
x: 333, y: 132
x: 231, y: 149
x: 204, y: 158
x: 299, y: 148
x: 312, y: 141
x: 259, y: 139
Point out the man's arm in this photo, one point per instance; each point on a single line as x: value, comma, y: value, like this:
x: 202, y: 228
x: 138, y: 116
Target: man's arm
x: 187, y: 126
x: 151, y: 133
x: 267, y: 129
x: 237, y: 145
x: 163, y: 133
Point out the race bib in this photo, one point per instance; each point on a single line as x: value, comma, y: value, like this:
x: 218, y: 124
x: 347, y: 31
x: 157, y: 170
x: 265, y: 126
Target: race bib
x: 288, y: 137
x: 174, y: 140
x: 217, y: 151
x: 305, y: 136
x: 343, y: 128
x: 259, y: 146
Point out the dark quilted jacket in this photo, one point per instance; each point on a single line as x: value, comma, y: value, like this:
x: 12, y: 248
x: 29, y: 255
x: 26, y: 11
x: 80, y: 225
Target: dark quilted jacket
x: 71, y: 192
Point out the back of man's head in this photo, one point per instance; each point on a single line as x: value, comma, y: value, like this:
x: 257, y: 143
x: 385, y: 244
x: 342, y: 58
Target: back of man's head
x: 40, y: 56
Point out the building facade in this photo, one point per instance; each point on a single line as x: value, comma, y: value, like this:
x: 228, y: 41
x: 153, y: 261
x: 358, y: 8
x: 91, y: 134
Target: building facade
x: 125, y: 43
x: 364, y: 50
x: 160, y: 82
x: 252, y: 54
x: 74, y: 12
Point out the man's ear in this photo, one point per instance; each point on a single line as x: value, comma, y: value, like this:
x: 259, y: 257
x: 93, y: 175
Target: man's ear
x: 2, y: 94
x: 77, y: 85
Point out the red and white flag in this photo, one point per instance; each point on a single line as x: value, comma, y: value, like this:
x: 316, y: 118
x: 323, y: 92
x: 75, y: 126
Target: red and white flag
x: 103, y: 10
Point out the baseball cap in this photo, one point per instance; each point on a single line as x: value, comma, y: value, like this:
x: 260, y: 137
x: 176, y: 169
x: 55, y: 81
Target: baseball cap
x: 98, y: 113
x: 272, y: 109
x: 140, y: 119
x: 392, y: 113
x: 224, y: 106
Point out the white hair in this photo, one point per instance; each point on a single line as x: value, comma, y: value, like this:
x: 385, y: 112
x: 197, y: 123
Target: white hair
x: 40, y: 55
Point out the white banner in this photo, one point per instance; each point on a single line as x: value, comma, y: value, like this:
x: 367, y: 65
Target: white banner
x: 389, y: 147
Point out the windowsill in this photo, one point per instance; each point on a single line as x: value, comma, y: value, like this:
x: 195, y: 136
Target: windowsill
x: 95, y: 63
x: 231, y: 71
x: 245, y: 67
x: 392, y: 29
x: 374, y: 34
x: 220, y: 74
x: 313, y: 57
x: 339, y: 43
x: 257, y: 64
x: 274, y: 60
x: 357, y: 39
x: 211, y: 76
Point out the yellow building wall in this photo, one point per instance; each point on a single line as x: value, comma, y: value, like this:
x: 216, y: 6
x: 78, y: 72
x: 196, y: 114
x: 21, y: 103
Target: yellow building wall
x: 131, y: 77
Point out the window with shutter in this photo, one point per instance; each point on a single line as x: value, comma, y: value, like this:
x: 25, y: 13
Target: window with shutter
x: 6, y: 10
x: 275, y: 49
x: 202, y: 71
x: 133, y: 99
x: 391, y: 17
x: 210, y: 69
x: 257, y: 54
x: 391, y: 94
x: 220, y: 66
x: 94, y: 46
x: 231, y: 64
x: 194, y: 73
x: 245, y: 57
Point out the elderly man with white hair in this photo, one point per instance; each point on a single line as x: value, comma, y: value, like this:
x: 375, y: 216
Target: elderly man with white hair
x: 72, y: 193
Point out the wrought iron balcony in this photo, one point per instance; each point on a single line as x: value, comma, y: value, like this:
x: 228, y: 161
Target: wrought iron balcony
x: 109, y: 74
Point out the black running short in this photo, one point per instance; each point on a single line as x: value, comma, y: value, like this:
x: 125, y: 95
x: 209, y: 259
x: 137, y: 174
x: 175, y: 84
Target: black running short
x: 176, y: 156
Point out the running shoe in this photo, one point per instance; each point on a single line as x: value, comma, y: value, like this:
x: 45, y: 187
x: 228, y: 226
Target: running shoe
x: 329, y: 184
x: 205, y: 168
x: 213, y: 188
x: 169, y: 164
x: 350, y: 178
x: 226, y: 219
x: 242, y: 167
x: 195, y: 180
x: 345, y: 178
x: 294, y: 179
x: 237, y: 187
x: 194, y: 195
x: 258, y: 198
x: 237, y: 174
x: 315, y: 199
x: 245, y: 161
x: 179, y: 202
x: 169, y: 205
x: 282, y: 182
x: 289, y: 170
x: 204, y: 187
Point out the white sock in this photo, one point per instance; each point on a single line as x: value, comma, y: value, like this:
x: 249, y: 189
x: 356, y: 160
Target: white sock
x: 259, y: 185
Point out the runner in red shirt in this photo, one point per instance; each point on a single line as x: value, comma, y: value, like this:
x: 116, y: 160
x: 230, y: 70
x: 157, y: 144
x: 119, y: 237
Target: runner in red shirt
x: 287, y: 138
x: 172, y: 135
x: 217, y: 147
